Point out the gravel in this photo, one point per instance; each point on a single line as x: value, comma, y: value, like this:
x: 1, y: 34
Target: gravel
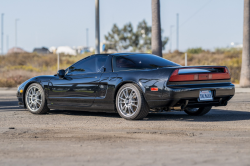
x: 221, y: 137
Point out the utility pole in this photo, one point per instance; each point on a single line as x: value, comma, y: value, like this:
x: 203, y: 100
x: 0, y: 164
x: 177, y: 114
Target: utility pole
x: 7, y: 43
x: 58, y: 61
x: 177, y: 31
x: 2, y: 35
x: 245, y: 66
x: 97, y: 28
x: 186, y: 61
x: 170, y: 43
x: 16, y: 33
x: 87, y: 38
x: 156, y: 43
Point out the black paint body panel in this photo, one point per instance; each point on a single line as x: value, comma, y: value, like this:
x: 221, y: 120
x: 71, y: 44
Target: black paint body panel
x: 97, y: 91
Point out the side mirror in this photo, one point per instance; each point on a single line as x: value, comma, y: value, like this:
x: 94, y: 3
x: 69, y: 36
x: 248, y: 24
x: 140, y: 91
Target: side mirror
x: 61, y: 73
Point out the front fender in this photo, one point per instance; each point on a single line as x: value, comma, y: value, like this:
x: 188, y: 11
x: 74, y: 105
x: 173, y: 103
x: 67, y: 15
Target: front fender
x: 42, y: 80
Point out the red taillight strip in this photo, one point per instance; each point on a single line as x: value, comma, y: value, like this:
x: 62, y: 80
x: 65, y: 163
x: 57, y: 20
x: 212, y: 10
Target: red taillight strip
x: 195, y: 77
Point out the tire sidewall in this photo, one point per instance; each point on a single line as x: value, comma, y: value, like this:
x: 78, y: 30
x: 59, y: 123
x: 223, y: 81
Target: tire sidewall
x: 139, y: 97
x: 42, y: 95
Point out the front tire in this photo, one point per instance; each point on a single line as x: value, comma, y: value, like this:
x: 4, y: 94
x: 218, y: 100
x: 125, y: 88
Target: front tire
x: 130, y: 102
x: 197, y: 111
x: 35, y: 99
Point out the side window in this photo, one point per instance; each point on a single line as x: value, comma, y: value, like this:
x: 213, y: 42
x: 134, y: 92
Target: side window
x: 93, y: 64
x: 123, y: 62
x: 100, y: 62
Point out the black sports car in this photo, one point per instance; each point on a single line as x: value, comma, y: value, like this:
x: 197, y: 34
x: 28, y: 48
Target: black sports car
x: 131, y: 84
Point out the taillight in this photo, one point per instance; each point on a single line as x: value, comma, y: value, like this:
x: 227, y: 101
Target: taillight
x: 175, y: 77
x: 175, y: 72
x: 226, y: 70
x: 154, y: 89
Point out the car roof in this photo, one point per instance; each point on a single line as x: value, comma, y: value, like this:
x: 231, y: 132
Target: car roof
x: 125, y: 53
x: 129, y: 53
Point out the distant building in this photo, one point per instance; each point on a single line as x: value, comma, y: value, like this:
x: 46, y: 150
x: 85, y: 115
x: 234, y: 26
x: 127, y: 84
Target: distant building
x: 75, y: 50
x: 42, y: 50
x: 65, y: 50
x: 15, y: 50
x: 52, y: 49
x: 235, y: 45
x: 78, y: 49
x: 83, y: 49
x: 105, y: 47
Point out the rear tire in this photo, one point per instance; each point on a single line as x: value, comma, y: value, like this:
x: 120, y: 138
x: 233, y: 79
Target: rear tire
x: 35, y: 99
x: 130, y: 102
x: 197, y: 111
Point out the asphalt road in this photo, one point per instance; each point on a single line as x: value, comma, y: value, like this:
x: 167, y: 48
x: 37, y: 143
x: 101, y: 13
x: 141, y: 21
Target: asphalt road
x: 222, y: 137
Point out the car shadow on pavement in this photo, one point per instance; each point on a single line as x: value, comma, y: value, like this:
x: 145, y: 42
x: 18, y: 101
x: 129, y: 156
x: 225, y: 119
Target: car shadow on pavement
x: 9, y: 106
x: 213, y: 115
x: 85, y: 113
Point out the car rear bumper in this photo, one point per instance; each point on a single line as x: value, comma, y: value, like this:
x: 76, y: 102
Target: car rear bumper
x: 188, y: 95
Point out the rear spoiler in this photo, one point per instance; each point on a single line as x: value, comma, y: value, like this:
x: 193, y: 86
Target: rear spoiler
x: 197, y: 73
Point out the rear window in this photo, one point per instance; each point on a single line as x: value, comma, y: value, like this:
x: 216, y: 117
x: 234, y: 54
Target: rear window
x: 140, y: 61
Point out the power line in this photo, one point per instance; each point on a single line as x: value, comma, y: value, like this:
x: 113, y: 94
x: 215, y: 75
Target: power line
x: 177, y: 31
x: 179, y: 26
x: 2, y: 35
x: 196, y: 12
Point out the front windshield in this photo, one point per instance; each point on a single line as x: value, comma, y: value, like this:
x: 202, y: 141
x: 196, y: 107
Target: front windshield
x: 140, y: 61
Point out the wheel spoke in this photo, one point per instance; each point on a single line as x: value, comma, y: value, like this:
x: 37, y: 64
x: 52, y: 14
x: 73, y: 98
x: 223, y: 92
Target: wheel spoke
x: 126, y: 109
x: 32, y: 106
x: 134, y: 105
x: 131, y: 109
x: 123, y: 107
x: 126, y: 92
x: 131, y: 94
x: 39, y: 102
x: 122, y: 98
x: 32, y: 91
x: 38, y: 93
x: 134, y: 95
x: 35, y: 105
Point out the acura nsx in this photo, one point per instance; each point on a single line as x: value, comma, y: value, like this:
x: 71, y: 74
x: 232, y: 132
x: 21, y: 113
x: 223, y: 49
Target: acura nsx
x: 131, y: 84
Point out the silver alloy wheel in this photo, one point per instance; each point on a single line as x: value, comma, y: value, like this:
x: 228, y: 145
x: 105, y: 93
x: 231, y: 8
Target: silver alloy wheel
x: 34, y: 98
x: 128, y: 101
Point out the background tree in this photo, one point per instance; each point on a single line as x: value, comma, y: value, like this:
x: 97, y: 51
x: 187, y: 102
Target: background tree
x: 113, y: 38
x: 156, y: 28
x: 245, y: 68
x: 128, y: 39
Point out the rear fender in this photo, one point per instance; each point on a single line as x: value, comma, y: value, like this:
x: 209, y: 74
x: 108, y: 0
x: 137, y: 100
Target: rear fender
x: 126, y: 82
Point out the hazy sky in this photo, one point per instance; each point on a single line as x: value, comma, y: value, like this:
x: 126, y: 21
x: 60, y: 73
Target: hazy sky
x: 203, y: 23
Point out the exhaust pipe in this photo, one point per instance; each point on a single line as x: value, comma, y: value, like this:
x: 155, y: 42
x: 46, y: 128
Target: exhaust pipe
x: 176, y: 108
x: 180, y: 108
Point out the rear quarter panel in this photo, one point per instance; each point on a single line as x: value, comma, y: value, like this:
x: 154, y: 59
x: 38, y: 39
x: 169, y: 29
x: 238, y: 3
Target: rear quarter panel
x: 145, y: 79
